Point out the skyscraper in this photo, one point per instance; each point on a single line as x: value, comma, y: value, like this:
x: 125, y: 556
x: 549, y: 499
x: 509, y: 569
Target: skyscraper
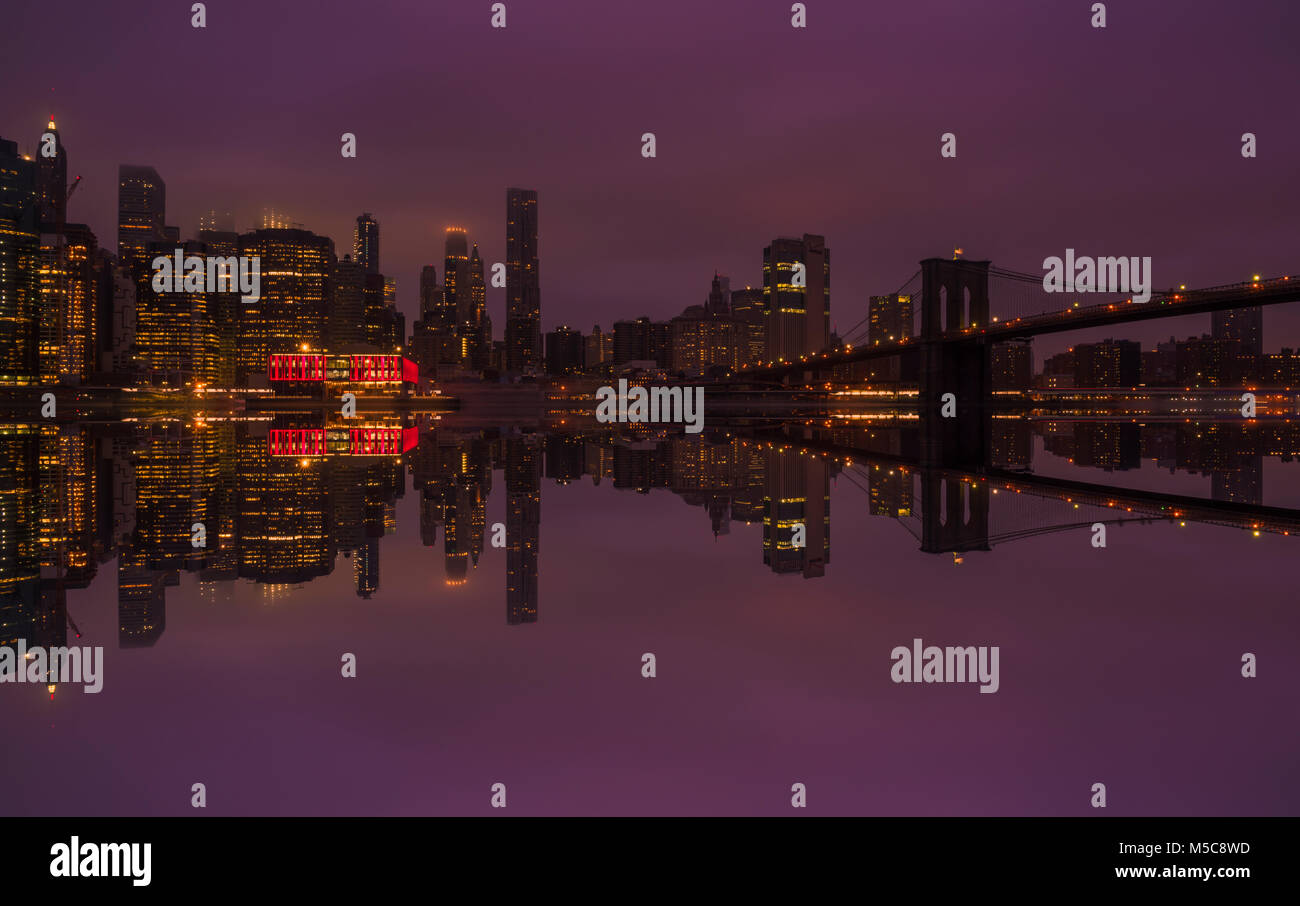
x: 565, y: 351
x: 797, y: 301
x: 523, y: 284
x: 889, y: 319
x: 141, y: 211
x: 1245, y: 325
x: 747, y: 307
x: 458, y: 297
x: 52, y: 177
x: 631, y: 342
x: 296, y: 270
x: 365, y: 244
x: 479, y: 328
x: 20, y: 246
x: 346, y: 322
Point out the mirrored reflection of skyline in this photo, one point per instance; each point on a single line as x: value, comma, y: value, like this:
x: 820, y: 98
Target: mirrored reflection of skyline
x: 92, y: 503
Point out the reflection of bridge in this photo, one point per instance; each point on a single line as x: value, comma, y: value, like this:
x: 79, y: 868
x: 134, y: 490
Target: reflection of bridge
x: 958, y: 511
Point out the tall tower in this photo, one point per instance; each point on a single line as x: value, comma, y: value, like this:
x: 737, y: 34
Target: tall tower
x: 457, y: 295
x: 141, y: 211
x: 52, y: 177
x: 523, y: 284
x: 297, y: 270
x: 365, y: 244
x: 480, y: 327
x: 798, y: 308
x: 20, y: 249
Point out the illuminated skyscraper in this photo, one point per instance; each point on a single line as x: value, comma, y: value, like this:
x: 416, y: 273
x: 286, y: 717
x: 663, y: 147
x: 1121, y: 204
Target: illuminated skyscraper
x: 365, y: 244
x: 457, y: 296
x: 20, y: 244
x: 747, y: 308
x: 74, y: 312
x: 141, y: 211
x: 479, y: 330
x: 177, y: 339
x: 890, y: 319
x: 797, y: 306
x: 296, y: 267
x: 523, y: 283
x: 52, y: 177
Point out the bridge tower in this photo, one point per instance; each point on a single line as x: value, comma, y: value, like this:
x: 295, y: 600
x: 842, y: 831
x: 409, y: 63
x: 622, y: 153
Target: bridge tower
x: 954, y: 514
x: 955, y: 295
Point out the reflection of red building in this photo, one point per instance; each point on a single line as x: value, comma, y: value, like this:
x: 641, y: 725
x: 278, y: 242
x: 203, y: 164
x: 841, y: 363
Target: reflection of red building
x: 353, y: 369
x: 363, y: 440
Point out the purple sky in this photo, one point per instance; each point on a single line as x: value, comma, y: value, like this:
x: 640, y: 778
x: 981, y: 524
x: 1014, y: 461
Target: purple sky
x: 1122, y: 141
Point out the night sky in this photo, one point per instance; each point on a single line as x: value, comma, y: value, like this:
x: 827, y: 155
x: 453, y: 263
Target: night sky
x: 1122, y: 141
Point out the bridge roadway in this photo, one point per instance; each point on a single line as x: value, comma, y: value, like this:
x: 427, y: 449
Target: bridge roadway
x: 1273, y: 291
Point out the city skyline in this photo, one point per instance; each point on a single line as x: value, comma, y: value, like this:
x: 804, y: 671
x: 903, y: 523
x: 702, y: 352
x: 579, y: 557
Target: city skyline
x: 814, y: 408
x: 196, y: 339
x: 242, y: 174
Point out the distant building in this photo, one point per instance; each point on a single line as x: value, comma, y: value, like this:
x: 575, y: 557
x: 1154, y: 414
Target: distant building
x: 1160, y: 365
x: 1206, y: 362
x: 631, y: 341
x: 141, y: 212
x: 1246, y: 326
x: 707, y: 336
x: 747, y: 308
x: 1058, y: 372
x: 565, y: 351
x: 1110, y: 363
x: 1012, y: 367
x: 599, y: 349
x: 797, y: 307
x: 889, y: 319
x: 661, y: 344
